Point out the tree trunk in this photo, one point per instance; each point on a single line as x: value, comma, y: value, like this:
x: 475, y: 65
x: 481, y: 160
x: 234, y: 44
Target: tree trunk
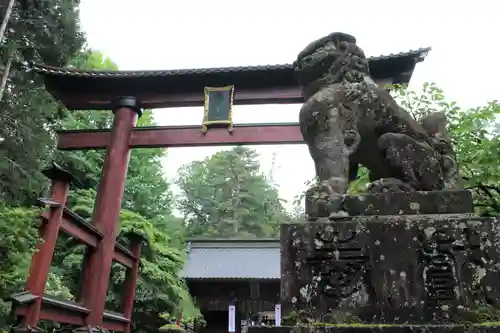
x: 5, y: 75
x: 5, y: 20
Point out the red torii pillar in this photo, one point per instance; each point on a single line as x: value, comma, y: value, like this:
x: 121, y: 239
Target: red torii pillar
x: 136, y: 242
x: 97, y: 264
x: 42, y: 258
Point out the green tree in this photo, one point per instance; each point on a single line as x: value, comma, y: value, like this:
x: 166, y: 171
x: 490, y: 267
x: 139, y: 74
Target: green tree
x: 18, y: 236
x: 475, y: 134
x: 226, y: 195
x: 46, y: 31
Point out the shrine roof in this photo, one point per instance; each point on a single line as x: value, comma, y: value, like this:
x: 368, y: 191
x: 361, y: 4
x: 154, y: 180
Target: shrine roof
x: 232, y: 259
x: 375, y: 62
x: 84, y: 89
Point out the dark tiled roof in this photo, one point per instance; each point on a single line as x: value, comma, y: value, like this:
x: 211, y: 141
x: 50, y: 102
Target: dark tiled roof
x: 418, y: 54
x: 95, y: 90
x: 233, y: 259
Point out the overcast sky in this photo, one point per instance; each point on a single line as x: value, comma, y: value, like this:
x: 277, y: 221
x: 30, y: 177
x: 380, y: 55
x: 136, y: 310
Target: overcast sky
x: 161, y: 34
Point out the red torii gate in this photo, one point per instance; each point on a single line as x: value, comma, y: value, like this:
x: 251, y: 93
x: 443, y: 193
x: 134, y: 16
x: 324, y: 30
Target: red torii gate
x: 104, y: 90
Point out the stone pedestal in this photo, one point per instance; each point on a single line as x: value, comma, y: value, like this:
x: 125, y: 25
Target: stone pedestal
x: 379, y: 267
x: 399, y: 203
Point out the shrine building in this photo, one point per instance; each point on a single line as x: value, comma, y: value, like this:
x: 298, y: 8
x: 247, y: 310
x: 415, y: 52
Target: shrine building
x: 233, y: 275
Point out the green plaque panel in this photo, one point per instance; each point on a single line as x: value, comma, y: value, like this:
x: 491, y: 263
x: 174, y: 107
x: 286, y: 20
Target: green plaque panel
x: 218, y: 107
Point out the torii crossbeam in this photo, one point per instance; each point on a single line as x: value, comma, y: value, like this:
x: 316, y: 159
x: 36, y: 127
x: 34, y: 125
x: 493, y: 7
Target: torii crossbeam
x: 273, y: 84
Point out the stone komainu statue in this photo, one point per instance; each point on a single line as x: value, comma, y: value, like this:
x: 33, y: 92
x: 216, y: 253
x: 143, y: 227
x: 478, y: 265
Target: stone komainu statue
x: 347, y: 121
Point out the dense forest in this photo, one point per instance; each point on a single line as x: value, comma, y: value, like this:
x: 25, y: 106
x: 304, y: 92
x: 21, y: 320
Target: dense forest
x: 224, y: 195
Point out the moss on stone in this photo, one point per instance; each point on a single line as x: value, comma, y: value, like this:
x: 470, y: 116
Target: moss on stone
x: 172, y: 328
x: 291, y: 319
x: 486, y: 313
x: 488, y: 323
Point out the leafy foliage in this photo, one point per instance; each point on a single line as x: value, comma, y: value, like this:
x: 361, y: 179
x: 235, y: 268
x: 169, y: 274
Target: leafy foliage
x: 225, y: 195
x: 475, y: 134
x: 18, y: 231
x: 48, y: 31
x: 18, y: 237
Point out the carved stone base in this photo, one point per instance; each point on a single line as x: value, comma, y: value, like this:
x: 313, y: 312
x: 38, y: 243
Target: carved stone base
x: 392, y: 203
x: 391, y: 269
x: 360, y: 328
